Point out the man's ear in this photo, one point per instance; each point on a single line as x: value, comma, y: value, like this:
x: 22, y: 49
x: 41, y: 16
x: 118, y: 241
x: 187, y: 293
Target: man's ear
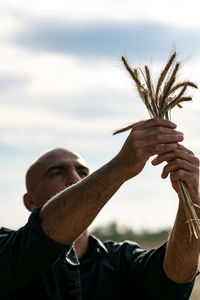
x: 28, y: 202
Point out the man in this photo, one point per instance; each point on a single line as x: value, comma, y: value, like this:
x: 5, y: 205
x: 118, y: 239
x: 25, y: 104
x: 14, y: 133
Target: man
x: 39, y: 261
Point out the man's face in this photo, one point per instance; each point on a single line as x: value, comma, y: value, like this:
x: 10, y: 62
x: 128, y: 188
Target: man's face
x: 52, y: 173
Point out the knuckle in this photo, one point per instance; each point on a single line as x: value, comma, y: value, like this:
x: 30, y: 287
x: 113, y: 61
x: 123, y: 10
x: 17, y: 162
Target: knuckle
x: 176, y: 153
x: 178, y: 161
x: 157, y: 148
x: 197, y: 170
x: 180, y: 173
x: 135, y: 134
x: 166, y: 147
x: 173, y: 154
x: 158, y: 137
x: 159, y: 130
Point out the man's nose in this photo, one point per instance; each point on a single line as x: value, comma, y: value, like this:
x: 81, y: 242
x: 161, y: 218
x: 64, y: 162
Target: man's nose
x: 73, y: 177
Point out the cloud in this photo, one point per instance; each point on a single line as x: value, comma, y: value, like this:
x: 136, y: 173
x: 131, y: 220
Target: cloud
x: 47, y: 74
x: 177, y: 13
x: 11, y: 81
x: 108, y: 40
x: 9, y: 24
x: 21, y: 126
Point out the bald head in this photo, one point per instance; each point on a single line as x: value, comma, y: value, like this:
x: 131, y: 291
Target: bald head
x: 33, y: 172
x: 52, y: 172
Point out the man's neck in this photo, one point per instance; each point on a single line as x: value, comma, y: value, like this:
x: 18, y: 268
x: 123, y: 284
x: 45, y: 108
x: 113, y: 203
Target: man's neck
x: 81, y: 244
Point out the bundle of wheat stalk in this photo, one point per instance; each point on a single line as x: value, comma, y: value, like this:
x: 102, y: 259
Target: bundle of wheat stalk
x: 159, y: 100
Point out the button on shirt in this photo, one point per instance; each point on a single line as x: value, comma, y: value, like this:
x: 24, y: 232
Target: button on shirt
x: 32, y: 266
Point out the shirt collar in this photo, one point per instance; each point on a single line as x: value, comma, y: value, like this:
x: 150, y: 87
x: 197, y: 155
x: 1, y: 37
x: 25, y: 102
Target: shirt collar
x: 97, y: 245
x: 96, y: 248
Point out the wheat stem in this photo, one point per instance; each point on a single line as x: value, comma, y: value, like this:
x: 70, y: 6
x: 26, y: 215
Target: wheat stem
x: 159, y: 103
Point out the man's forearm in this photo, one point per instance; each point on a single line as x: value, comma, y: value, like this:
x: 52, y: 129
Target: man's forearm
x: 182, y: 253
x: 69, y: 213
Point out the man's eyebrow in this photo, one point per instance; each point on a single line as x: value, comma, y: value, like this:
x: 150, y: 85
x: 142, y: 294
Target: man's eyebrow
x: 60, y: 167
x: 83, y: 168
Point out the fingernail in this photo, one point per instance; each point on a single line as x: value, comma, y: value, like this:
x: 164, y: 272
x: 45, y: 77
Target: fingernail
x: 174, y: 125
x: 179, y: 132
x: 180, y: 137
x: 153, y: 162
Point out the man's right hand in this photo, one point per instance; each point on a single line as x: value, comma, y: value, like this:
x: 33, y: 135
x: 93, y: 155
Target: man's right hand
x: 146, y: 139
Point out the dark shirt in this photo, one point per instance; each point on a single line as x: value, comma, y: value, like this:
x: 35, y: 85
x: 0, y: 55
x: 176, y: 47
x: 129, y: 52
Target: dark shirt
x: 32, y: 266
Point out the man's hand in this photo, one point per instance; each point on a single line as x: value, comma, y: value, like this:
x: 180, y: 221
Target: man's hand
x: 182, y: 253
x: 181, y: 165
x: 148, y: 138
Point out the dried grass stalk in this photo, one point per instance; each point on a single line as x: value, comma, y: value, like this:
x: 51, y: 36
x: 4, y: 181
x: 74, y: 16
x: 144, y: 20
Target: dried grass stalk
x: 159, y: 101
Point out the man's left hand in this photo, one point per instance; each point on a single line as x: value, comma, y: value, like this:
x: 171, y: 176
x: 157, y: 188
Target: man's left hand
x: 181, y: 165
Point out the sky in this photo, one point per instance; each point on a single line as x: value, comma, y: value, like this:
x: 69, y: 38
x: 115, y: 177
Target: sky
x: 62, y: 83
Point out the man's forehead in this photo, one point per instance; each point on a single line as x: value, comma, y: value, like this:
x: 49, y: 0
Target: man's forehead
x: 53, y: 157
x: 59, y: 156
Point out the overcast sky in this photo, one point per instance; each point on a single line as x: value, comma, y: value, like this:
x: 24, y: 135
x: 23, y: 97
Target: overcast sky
x: 62, y: 84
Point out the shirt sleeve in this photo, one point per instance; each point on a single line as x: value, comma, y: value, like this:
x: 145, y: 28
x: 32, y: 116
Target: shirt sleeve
x: 146, y: 269
x: 26, y: 253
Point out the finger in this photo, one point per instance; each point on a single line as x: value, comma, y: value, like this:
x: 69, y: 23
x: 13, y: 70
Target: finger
x: 191, y: 182
x: 158, y: 139
x: 178, y: 164
x: 175, y: 154
x: 157, y: 149
x: 155, y: 122
x: 164, y: 138
x: 181, y: 147
x: 145, y: 132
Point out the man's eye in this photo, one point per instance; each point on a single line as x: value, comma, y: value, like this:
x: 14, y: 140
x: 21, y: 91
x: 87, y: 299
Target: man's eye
x: 83, y: 174
x: 56, y: 173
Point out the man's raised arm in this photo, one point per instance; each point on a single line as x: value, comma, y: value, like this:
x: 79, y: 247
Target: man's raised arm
x: 69, y: 213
